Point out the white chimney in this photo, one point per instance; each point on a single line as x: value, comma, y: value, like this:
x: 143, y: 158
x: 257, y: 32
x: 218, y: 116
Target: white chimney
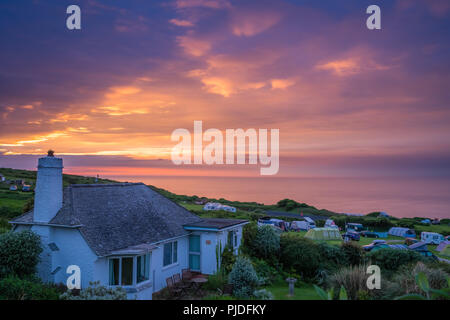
x: 49, y: 188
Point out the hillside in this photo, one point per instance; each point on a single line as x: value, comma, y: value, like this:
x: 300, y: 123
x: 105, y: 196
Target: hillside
x: 14, y: 203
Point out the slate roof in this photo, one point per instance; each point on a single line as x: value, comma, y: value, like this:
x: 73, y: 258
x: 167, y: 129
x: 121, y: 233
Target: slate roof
x: 118, y: 216
x: 214, y: 223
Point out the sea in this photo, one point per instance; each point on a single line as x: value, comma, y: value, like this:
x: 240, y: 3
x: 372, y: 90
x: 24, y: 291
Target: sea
x: 399, y: 197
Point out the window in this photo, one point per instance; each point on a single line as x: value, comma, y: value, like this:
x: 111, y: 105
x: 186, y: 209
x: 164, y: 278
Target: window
x: 143, y: 268
x: 114, y: 267
x: 128, y: 271
x: 170, y: 253
x: 232, y: 239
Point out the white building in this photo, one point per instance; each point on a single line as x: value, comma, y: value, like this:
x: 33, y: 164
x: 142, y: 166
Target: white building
x: 122, y: 234
x: 213, y: 206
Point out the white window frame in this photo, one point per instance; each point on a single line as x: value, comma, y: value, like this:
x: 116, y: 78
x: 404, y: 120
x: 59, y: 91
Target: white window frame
x: 134, y: 282
x: 172, y: 263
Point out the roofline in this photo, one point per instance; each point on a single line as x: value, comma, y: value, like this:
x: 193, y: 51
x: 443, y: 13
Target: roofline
x: 152, y: 243
x: 195, y: 228
x: 46, y: 224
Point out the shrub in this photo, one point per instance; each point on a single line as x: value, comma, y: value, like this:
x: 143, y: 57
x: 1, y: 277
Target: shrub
x: 331, y: 257
x: 353, y: 253
x: 406, y: 278
x: 248, y: 238
x: 300, y: 254
x: 227, y: 260
x: 96, y: 292
x: 19, y: 253
x: 392, y: 259
x: 14, y: 288
x: 353, y: 279
x: 263, y: 294
x: 216, y: 281
x: 267, y: 273
x: 267, y: 242
x: 243, y: 278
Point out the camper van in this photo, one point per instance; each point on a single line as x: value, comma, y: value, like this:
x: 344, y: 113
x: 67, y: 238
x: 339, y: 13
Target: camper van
x: 330, y: 224
x: 300, y: 225
x: 277, y: 223
x: 355, y: 227
x: 431, y: 237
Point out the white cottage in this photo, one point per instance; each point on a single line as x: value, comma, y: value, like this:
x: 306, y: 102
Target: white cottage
x: 121, y: 234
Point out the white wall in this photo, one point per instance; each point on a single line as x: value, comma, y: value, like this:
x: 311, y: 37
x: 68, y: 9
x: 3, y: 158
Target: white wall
x: 73, y: 250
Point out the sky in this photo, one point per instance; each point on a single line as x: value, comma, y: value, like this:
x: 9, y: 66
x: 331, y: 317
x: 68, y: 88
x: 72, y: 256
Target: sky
x: 348, y: 101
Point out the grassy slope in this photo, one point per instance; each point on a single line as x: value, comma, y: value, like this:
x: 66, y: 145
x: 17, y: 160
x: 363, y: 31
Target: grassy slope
x: 12, y: 203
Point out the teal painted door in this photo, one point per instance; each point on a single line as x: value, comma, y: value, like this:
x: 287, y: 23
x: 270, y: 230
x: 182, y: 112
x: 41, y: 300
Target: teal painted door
x: 194, y: 253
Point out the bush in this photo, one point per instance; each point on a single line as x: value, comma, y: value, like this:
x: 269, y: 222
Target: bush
x: 96, y: 292
x: 267, y: 242
x: 392, y: 259
x: 263, y: 294
x: 300, y: 254
x: 267, y: 273
x: 248, y: 238
x: 243, y: 278
x: 19, y: 253
x: 331, y: 257
x: 227, y: 260
x: 14, y: 288
x: 406, y: 278
x: 353, y: 253
x: 216, y: 281
x: 353, y: 279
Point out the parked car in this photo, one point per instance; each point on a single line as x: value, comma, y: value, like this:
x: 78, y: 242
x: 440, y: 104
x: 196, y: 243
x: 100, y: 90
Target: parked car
x: 369, y: 234
x: 436, y: 221
x: 356, y: 227
x: 351, y: 235
x: 375, y: 243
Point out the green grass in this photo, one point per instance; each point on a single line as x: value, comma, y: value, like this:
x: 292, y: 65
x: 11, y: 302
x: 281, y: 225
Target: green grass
x: 302, y: 291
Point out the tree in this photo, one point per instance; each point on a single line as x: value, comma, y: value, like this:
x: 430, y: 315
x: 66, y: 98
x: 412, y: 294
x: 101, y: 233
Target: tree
x: 19, y: 253
x: 243, y: 278
x: 267, y: 242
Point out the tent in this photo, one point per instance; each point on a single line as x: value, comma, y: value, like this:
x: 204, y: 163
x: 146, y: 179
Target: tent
x: 402, y: 232
x: 323, y: 234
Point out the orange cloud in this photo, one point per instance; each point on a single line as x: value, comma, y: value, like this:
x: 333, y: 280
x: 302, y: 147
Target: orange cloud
x: 281, y: 83
x: 341, y: 67
x: 194, y: 47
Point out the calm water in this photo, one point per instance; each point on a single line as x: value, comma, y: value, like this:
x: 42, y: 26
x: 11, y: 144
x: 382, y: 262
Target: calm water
x: 398, y: 197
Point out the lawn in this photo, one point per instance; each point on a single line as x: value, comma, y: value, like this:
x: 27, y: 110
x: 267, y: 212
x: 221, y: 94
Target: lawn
x: 304, y: 291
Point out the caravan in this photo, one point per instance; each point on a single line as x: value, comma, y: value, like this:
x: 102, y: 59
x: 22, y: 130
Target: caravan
x: 431, y: 237
x: 330, y: 224
x: 304, y: 225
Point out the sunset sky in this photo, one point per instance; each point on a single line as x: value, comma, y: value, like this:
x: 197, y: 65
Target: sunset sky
x: 348, y: 101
